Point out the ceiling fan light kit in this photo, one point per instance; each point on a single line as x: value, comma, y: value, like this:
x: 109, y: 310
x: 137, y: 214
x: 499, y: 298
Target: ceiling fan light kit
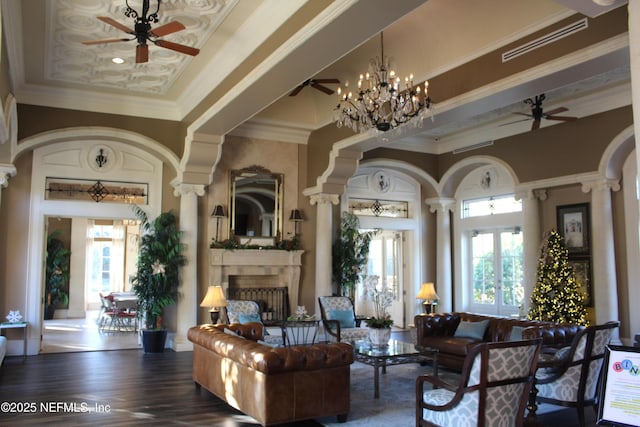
x: 379, y: 103
x: 143, y: 33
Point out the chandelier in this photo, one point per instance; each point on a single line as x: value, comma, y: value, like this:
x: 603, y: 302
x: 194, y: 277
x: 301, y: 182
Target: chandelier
x: 379, y: 103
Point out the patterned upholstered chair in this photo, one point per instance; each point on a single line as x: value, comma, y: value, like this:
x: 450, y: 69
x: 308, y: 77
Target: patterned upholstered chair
x: 245, y: 311
x: 493, y: 390
x: 339, y: 319
x: 573, y: 382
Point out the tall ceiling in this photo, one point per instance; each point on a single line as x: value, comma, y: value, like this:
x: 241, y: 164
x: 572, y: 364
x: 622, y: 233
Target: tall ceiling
x: 255, y: 52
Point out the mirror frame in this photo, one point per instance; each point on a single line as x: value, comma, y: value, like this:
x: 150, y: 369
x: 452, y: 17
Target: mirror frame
x: 278, y: 196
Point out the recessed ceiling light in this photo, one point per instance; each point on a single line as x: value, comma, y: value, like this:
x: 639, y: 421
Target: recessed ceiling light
x: 118, y: 60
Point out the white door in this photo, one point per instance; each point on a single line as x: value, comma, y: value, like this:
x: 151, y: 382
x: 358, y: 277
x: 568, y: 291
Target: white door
x: 385, y: 261
x: 497, y: 276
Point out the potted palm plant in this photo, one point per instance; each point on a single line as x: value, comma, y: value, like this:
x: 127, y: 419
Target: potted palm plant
x: 156, y: 280
x: 349, y: 254
x: 56, y: 275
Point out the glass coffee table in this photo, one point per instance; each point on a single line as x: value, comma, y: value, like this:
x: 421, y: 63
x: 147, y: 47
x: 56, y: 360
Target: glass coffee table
x: 395, y: 353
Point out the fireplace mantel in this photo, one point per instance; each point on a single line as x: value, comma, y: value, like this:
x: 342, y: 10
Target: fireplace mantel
x: 257, y: 262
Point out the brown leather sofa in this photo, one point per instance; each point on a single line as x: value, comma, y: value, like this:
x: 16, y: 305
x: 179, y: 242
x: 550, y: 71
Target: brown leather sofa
x: 272, y: 385
x: 437, y: 331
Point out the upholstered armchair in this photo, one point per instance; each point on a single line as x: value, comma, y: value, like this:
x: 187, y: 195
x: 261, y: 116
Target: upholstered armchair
x: 573, y: 375
x: 245, y: 311
x: 339, y: 319
x: 493, y: 390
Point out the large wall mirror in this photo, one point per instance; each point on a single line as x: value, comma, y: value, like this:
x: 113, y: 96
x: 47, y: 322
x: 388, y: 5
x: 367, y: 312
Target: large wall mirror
x: 255, y: 213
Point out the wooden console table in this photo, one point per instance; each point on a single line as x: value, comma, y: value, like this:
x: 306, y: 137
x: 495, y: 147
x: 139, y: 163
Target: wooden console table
x: 18, y: 325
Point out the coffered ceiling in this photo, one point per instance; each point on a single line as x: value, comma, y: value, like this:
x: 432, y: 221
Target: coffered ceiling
x: 255, y: 52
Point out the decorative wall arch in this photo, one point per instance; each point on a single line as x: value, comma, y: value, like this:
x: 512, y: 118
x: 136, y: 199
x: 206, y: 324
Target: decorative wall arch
x: 615, y: 154
x: 455, y: 174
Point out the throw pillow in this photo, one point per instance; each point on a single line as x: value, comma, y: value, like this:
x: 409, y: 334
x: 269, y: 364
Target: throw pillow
x: 345, y: 317
x: 249, y: 317
x: 516, y: 333
x: 473, y: 330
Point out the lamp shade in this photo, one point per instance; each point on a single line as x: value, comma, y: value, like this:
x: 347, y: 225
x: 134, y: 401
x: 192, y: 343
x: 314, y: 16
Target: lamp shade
x: 218, y: 212
x: 427, y: 292
x: 214, y: 297
x: 296, y: 215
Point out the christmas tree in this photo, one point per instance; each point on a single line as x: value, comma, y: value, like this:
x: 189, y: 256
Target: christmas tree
x: 556, y: 296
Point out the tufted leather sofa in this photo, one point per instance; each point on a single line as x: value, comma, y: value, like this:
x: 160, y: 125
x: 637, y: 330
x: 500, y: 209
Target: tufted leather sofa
x: 272, y: 385
x: 437, y: 331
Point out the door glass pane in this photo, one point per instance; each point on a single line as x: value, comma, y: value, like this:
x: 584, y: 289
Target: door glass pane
x: 512, y: 275
x: 484, y: 288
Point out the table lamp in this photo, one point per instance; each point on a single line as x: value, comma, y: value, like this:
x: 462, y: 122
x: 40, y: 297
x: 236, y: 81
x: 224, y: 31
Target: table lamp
x: 428, y: 294
x: 214, y: 299
x: 296, y: 218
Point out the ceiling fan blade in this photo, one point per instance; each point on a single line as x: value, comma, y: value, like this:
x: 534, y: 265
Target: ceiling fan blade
x: 177, y: 47
x: 322, y: 88
x: 116, y: 24
x: 524, y: 114
x: 163, y: 30
x: 142, y: 53
x: 535, y: 125
x: 561, y: 118
x: 296, y: 90
x: 89, y: 42
x: 556, y: 111
x: 326, y: 80
x: 517, y: 121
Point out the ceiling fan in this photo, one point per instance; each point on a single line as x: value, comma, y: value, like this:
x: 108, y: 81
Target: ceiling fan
x: 143, y: 33
x: 315, y: 83
x: 537, y: 113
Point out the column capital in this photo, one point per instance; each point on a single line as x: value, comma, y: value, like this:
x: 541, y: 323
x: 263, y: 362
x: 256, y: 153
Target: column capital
x: 531, y: 194
x: 6, y: 172
x: 324, y: 199
x: 440, y: 204
x: 183, y: 189
x: 604, y: 184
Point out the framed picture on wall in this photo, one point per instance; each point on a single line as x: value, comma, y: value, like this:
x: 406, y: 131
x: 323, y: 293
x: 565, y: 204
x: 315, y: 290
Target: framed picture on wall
x: 573, y: 225
x: 582, y: 272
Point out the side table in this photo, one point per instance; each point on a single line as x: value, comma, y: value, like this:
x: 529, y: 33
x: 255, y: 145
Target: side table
x: 17, y: 325
x: 300, y: 332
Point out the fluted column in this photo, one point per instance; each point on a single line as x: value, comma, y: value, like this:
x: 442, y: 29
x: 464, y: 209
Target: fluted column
x: 443, y: 207
x: 605, y: 292
x: 323, y: 203
x: 187, y: 309
x: 532, y: 236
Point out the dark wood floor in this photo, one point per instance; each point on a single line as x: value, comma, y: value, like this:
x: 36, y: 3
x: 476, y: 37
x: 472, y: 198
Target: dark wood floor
x: 125, y: 388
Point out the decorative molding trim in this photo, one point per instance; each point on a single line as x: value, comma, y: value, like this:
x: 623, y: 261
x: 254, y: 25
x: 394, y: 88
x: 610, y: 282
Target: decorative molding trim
x: 272, y: 131
x: 324, y: 199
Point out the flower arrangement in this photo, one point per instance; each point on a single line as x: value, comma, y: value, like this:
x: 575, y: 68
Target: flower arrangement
x: 382, y: 299
x: 301, y: 314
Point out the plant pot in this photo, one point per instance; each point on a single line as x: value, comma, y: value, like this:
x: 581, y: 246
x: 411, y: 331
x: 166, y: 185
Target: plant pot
x: 49, y: 311
x: 379, y: 337
x: 154, y: 341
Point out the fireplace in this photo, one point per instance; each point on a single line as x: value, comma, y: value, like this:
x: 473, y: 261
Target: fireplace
x: 256, y: 268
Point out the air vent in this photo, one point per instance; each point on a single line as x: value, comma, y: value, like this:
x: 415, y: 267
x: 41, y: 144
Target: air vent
x: 546, y: 39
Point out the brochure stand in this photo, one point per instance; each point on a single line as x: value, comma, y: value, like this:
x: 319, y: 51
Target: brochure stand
x: 619, y: 399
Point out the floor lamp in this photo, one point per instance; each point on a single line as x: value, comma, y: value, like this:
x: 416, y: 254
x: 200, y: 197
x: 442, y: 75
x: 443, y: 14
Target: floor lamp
x: 214, y: 299
x: 428, y: 294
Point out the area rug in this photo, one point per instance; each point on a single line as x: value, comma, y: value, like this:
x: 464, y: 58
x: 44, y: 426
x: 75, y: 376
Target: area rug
x: 396, y: 406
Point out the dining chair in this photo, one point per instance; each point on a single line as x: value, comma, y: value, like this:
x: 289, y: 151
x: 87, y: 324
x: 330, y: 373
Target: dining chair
x: 493, y: 389
x: 339, y: 319
x: 573, y: 379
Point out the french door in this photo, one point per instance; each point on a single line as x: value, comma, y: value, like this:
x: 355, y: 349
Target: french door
x: 385, y: 261
x: 497, y: 285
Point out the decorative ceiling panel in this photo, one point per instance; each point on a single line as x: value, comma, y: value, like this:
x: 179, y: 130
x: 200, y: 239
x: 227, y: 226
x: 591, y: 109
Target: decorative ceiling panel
x: 73, y: 21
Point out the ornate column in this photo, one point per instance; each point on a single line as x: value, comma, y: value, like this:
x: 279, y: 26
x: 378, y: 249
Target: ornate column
x: 323, y: 203
x: 6, y: 172
x: 605, y: 292
x: 633, y: 9
x: 443, y: 207
x: 187, y: 309
x: 532, y: 236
